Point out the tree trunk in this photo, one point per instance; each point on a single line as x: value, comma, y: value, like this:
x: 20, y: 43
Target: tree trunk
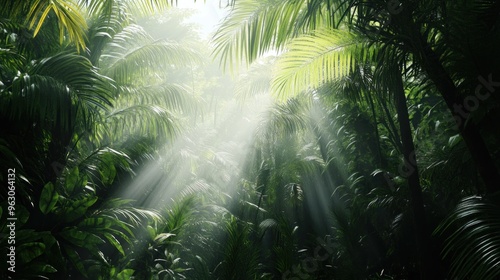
x: 428, y: 261
x: 470, y: 132
x: 429, y: 61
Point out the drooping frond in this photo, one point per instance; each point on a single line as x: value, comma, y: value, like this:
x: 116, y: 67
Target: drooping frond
x: 284, y: 119
x: 121, y: 209
x: 46, y: 91
x: 134, y: 53
x: 104, y: 27
x: 100, y: 7
x: 255, y: 27
x: 11, y: 61
x: 172, y: 96
x: 474, y: 244
x: 257, y: 79
x: 151, y: 120
x: 70, y: 18
x: 318, y: 58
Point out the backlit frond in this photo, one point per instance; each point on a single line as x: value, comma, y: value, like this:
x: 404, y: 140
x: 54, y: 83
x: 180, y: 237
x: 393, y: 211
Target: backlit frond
x: 284, y: 119
x: 97, y: 7
x: 172, y: 96
x: 151, y: 120
x: 255, y: 27
x: 257, y: 79
x: 70, y: 17
x: 315, y: 59
x: 133, y: 53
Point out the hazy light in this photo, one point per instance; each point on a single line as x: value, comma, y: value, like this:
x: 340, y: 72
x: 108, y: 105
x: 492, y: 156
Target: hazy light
x: 204, y: 158
x: 207, y: 14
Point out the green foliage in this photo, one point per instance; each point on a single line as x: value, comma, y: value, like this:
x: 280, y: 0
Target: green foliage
x: 48, y: 198
x: 70, y: 18
x: 312, y: 60
x: 313, y: 186
x: 236, y: 41
x: 472, y: 241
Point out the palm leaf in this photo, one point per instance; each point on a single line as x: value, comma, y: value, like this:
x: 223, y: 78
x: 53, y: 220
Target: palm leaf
x: 315, y: 59
x: 256, y: 80
x: 133, y: 53
x: 143, y: 7
x: 104, y: 28
x: 473, y: 243
x: 284, y: 119
x: 173, y: 97
x: 254, y: 27
x: 139, y: 119
x: 122, y: 209
x: 69, y: 15
x: 46, y: 92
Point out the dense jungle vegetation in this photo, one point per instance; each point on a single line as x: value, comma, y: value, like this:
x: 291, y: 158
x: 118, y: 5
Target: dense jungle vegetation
x: 304, y: 139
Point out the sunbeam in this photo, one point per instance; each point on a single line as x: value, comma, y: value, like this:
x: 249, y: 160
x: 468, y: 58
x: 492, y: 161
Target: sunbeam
x: 205, y: 157
x: 249, y: 139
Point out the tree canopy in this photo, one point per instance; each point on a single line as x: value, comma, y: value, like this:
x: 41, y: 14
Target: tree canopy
x: 318, y: 139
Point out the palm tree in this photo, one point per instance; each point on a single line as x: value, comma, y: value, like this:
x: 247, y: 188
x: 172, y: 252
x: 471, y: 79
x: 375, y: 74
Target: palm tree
x: 332, y: 53
x: 75, y: 129
x: 254, y: 28
x: 71, y: 14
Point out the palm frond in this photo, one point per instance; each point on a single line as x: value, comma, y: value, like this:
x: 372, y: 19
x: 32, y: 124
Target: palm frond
x: 284, y: 119
x: 473, y: 244
x: 18, y: 37
x: 171, y: 96
x: 12, y: 61
x: 121, y: 209
x: 318, y: 58
x: 69, y: 14
x: 255, y: 27
x: 257, y: 79
x: 240, y: 256
x: 140, y: 119
x: 104, y: 28
x: 179, y: 215
x: 134, y: 53
x: 144, y: 7
x: 47, y: 91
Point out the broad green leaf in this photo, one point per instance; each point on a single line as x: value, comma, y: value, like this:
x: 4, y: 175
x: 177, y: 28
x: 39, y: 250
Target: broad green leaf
x: 27, y: 235
x: 79, y: 208
x: 125, y: 274
x: 28, y: 251
x: 48, y: 239
x: 48, y: 198
x: 108, y: 173
x: 76, y: 260
x: 74, y: 236
x: 454, y: 140
x: 72, y: 179
x: 95, y: 223
x: 112, y: 239
x: 22, y: 215
x: 81, y: 238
